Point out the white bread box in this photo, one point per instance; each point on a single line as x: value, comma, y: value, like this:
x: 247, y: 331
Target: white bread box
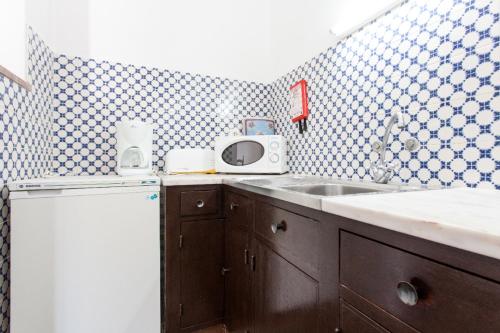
x: 190, y: 160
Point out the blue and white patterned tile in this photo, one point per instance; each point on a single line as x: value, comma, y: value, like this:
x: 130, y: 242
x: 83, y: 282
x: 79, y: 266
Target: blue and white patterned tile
x: 186, y: 110
x: 438, y: 62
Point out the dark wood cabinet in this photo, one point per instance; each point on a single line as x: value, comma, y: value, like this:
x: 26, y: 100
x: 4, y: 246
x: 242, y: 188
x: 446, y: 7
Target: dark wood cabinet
x: 259, y: 264
x: 285, y: 271
x: 202, y: 282
x: 293, y: 236
x: 285, y: 298
x: 426, y: 295
x: 237, y: 282
x: 193, y: 245
x: 202, y: 202
x: 238, y: 292
x: 353, y: 321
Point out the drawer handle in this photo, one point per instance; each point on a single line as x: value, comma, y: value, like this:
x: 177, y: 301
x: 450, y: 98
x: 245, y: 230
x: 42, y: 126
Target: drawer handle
x: 233, y: 206
x: 275, y: 227
x: 407, y: 293
x: 200, y: 203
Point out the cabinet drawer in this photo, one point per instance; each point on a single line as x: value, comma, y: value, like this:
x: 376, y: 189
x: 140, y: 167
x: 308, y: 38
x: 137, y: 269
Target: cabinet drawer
x: 437, y: 298
x: 238, y: 209
x: 293, y: 236
x: 200, y: 202
x: 353, y: 321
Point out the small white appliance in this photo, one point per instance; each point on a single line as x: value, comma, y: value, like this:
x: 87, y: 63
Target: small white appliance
x: 85, y: 255
x: 264, y: 154
x: 191, y: 160
x: 134, y: 143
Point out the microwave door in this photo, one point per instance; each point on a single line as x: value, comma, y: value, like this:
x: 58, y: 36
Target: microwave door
x: 243, y: 153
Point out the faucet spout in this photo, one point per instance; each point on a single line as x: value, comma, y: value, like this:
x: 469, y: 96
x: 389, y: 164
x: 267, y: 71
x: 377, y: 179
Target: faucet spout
x: 381, y: 170
x: 396, y: 118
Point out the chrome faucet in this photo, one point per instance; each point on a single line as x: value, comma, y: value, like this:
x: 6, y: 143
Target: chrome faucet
x: 381, y: 170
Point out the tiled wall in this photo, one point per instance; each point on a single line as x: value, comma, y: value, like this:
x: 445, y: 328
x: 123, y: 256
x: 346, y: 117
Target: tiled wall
x: 438, y: 62
x: 187, y: 110
x: 25, y: 143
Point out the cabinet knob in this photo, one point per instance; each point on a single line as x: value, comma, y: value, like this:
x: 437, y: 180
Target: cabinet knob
x: 407, y: 293
x: 337, y: 330
x: 275, y: 227
x: 224, y: 271
x: 200, y: 203
x: 233, y: 206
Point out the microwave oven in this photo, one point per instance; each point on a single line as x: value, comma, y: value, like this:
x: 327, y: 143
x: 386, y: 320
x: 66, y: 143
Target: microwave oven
x: 251, y: 154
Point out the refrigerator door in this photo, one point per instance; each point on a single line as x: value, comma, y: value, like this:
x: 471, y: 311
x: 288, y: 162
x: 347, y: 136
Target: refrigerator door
x: 86, y: 261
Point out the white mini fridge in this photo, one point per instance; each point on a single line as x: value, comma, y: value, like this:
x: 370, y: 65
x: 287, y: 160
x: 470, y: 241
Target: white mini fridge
x: 85, y: 255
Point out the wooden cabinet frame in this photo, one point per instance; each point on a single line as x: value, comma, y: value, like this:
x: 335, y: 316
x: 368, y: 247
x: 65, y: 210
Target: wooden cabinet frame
x: 330, y: 294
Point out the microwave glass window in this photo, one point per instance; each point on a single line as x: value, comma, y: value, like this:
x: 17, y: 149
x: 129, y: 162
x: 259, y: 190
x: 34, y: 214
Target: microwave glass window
x: 243, y: 153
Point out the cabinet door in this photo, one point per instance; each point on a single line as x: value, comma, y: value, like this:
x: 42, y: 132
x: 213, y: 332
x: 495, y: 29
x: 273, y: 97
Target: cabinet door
x: 237, y: 281
x: 202, y: 284
x: 239, y: 217
x: 286, y: 299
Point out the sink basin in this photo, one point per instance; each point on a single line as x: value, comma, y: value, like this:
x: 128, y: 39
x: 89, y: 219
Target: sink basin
x: 329, y: 190
x: 309, y: 191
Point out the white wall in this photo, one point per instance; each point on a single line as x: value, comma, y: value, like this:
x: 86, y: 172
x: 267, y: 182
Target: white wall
x: 13, y: 37
x: 218, y: 37
x: 255, y: 40
x: 62, y: 24
x: 70, y: 20
x: 39, y: 16
x: 300, y: 31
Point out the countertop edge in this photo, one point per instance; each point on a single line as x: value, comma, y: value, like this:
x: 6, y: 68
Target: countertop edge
x: 475, y: 241
x: 461, y: 238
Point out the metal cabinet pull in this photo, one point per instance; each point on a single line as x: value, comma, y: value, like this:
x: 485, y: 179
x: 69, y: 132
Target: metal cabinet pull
x: 252, y: 263
x: 233, y: 206
x: 245, y: 253
x: 225, y: 270
x: 407, y: 293
x: 200, y: 203
x: 275, y: 227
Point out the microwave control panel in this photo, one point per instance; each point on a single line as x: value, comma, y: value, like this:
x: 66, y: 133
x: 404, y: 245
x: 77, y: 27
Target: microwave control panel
x: 274, y: 151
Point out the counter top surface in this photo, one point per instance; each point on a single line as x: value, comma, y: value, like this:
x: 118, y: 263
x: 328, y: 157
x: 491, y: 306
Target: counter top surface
x: 206, y: 179
x: 462, y: 217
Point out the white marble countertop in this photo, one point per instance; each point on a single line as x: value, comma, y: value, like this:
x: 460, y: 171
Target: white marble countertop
x: 464, y: 218
x: 206, y: 179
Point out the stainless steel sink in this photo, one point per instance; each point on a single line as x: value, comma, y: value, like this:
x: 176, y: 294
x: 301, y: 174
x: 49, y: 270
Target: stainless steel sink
x: 329, y: 190
x: 309, y: 191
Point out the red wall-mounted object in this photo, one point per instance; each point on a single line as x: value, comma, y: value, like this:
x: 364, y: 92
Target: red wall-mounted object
x: 299, y: 109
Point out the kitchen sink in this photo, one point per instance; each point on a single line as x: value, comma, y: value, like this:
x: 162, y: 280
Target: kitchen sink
x: 309, y: 191
x: 329, y: 190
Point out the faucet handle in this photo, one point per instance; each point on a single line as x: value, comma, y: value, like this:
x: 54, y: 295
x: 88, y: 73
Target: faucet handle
x: 377, y: 146
x: 378, y: 171
x: 394, y: 165
x: 382, y: 172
